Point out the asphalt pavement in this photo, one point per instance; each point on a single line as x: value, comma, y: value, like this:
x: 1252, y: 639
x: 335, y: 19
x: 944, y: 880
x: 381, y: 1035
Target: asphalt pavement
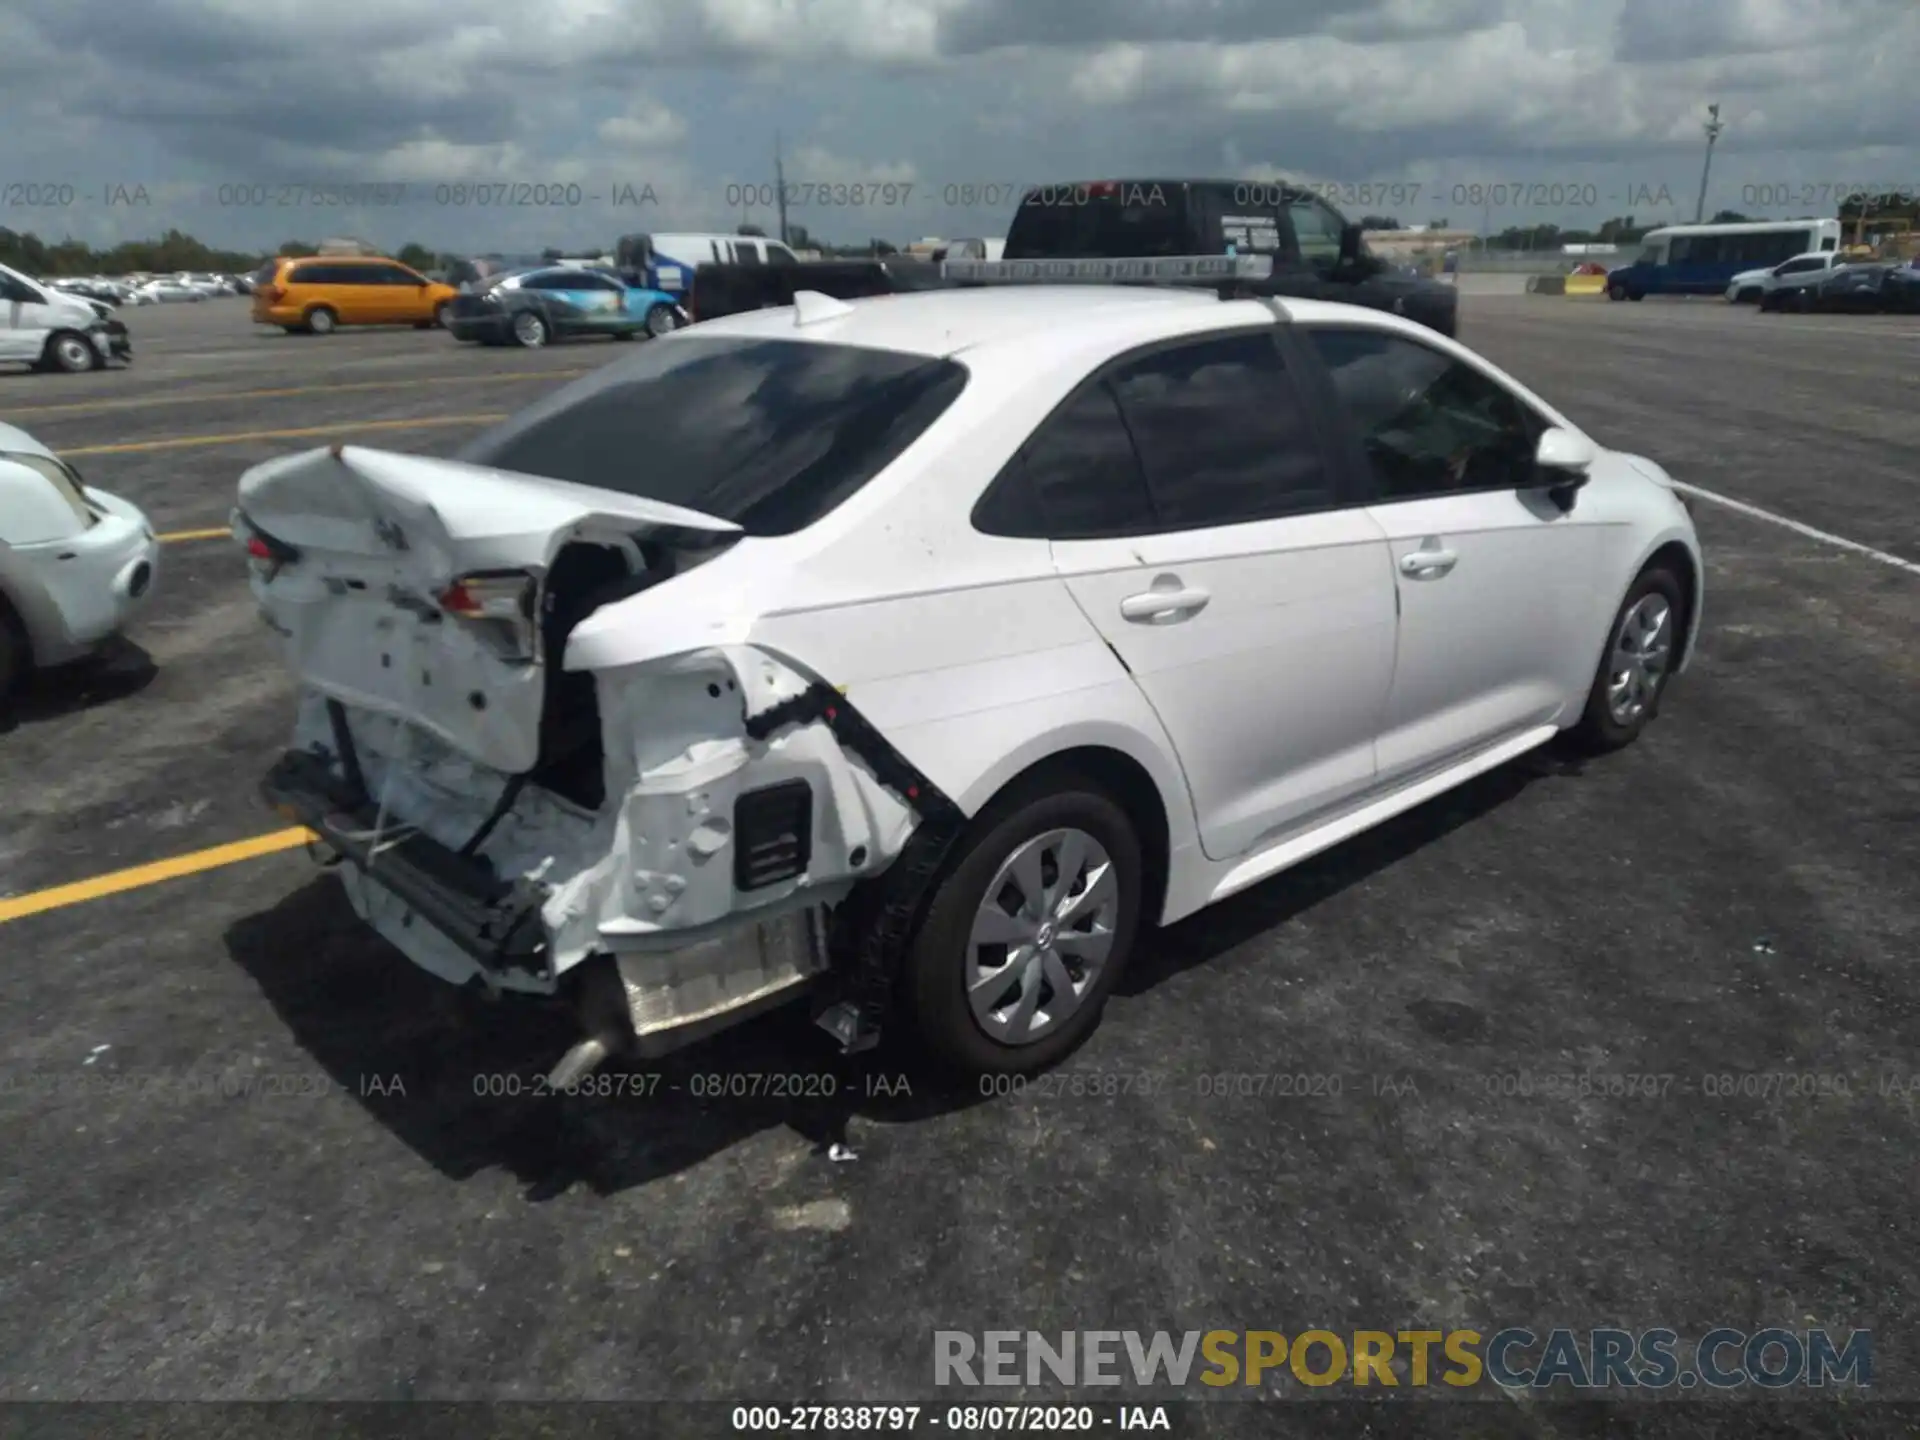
x: 251, y: 1153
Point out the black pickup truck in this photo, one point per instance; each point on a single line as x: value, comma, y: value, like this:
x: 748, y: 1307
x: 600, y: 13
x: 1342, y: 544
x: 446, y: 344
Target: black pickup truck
x: 1316, y: 253
x: 720, y: 289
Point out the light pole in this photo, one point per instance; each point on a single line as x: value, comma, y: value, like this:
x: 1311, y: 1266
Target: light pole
x: 1713, y: 128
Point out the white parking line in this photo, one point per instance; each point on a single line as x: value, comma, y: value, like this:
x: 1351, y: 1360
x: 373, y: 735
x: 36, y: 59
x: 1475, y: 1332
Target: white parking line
x: 1911, y: 567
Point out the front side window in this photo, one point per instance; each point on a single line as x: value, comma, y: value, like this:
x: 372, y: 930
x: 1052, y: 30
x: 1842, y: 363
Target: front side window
x: 769, y: 434
x: 1222, y: 433
x: 1429, y: 424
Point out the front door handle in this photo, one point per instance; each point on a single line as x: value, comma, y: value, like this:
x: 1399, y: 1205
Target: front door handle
x: 1427, y: 563
x: 1153, y: 607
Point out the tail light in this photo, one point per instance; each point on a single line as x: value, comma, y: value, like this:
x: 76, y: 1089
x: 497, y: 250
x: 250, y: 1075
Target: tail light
x: 267, y: 553
x: 271, y: 294
x: 500, y: 606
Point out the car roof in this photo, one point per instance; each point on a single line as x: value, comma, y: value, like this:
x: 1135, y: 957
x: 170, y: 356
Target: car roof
x: 943, y: 323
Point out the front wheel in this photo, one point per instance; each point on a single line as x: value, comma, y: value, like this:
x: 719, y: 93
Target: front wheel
x: 1616, y: 291
x: 529, y: 330
x: 1028, y: 932
x: 1638, y: 662
x: 662, y: 320
x: 71, y: 354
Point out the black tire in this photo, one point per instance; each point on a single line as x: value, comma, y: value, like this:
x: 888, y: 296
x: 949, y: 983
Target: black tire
x: 1617, y: 291
x: 933, y: 990
x: 16, y: 651
x: 440, y: 313
x: 662, y: 321
x: 1600, y: 729
x: 531, y: 331
x: 70, y: 353
x: 321, y: 320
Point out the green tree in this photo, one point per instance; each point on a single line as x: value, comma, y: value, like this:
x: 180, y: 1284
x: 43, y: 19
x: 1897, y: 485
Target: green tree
x: 415, y: 256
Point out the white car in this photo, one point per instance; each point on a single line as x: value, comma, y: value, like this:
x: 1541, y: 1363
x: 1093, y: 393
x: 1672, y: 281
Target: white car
x: 924, y: 649
x: 166, y: 292
x: 51, y: 330
x: 1757, y: 285
x: 75, y: 563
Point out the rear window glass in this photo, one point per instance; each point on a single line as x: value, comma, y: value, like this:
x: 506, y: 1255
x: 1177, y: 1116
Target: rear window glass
x: 1068, y: 223
x: 769, y: 434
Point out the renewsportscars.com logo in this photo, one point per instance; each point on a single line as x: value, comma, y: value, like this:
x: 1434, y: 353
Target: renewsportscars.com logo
x: 1511, y: 1359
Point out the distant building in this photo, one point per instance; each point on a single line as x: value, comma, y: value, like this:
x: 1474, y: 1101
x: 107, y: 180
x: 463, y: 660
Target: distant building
x: 1400, y: 244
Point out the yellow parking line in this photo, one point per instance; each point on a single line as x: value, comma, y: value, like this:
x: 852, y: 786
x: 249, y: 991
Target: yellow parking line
x: 340, y: 389
x: 117, y: 881
x: 176, y: 536
x: 344, y: 427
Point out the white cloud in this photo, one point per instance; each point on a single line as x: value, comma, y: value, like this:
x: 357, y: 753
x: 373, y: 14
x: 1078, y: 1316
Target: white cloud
x: 1600, y: 96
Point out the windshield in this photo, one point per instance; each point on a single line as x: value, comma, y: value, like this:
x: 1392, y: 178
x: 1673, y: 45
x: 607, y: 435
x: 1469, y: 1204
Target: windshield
x: 769, y: 434
x: 62, y: 480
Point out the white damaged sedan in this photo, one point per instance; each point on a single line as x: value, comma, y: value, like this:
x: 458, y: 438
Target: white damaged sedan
x: 922, y: 651
x: 75, y: 563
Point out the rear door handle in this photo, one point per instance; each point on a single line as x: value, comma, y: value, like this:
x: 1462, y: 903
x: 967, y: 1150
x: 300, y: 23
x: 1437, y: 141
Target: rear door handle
x: 1159, y: 606
x: 1428, y: 563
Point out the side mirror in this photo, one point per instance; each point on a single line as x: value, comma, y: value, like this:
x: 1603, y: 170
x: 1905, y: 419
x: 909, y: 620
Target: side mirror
x: 1351, y: 238
x: 1562, y: 461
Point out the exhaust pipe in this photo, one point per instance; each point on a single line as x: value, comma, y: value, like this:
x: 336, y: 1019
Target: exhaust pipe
x: 600, y: 1001
x: 586, y: 1056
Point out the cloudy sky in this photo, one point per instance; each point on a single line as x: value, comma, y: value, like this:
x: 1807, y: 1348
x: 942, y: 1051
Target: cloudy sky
x: 230, y: 118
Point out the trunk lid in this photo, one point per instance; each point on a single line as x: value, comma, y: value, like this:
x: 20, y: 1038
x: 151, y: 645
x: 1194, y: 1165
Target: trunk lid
x: 359, y: 559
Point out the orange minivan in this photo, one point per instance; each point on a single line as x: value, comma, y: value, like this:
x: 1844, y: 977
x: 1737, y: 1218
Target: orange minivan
x: 317, y: 294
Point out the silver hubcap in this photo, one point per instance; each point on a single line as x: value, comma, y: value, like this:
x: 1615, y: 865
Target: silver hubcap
x: 660, y: 321
x: 529, y: 330
x: 73, y: 354
x: 1641, y: 650
x: 1041, y: 936
x: 322, y: 321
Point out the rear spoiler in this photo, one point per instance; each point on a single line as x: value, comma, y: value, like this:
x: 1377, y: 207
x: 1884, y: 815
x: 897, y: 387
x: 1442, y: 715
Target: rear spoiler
x: 1157, y: 270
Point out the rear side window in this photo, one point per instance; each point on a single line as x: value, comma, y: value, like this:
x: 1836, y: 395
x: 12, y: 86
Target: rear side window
x: 264, y: 275
x: 1222, y: 433
x: 1068, y: 222
x: 1077, y: 478
x: 770, y: 434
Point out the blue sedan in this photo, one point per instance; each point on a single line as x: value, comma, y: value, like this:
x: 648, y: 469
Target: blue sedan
x: 534, y: 307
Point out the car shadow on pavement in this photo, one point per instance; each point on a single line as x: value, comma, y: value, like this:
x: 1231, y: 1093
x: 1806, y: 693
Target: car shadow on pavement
x: 1233, y: 922
x: 120, y: 669
x: 459, y: 1078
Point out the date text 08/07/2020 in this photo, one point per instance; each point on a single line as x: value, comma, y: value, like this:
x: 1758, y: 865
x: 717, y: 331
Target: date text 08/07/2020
x: 953, y: 1419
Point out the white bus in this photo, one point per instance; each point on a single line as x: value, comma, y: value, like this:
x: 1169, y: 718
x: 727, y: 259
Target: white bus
x: 1701, y: 259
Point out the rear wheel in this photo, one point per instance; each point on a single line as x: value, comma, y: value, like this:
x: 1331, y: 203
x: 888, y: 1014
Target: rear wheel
x: 662, y: 321
x: 529, y: 330
x: 70, y: 353
x: 1027, y: 933
x: 1616, y: 290
x: 1638, y: 662
x: 322, y: 321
